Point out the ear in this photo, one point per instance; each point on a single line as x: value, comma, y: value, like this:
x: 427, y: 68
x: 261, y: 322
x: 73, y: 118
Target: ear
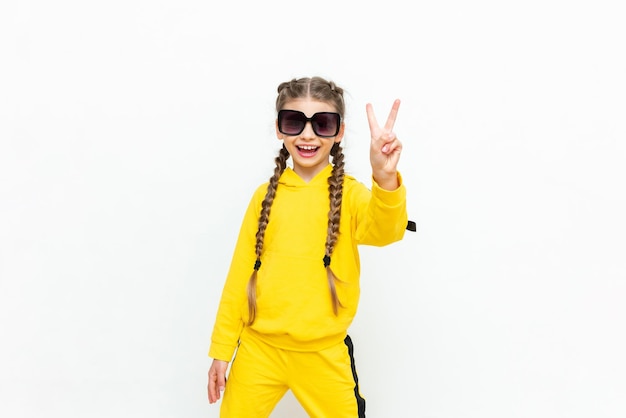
x: 339, y: 136
x: 279, y: 136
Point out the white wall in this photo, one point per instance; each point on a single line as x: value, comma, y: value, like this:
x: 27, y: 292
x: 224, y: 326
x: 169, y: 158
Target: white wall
x: 133, y: 132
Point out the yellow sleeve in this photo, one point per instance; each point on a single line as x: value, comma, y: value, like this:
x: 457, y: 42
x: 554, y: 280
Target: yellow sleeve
x: 381, y: 216
x: 233, y: 305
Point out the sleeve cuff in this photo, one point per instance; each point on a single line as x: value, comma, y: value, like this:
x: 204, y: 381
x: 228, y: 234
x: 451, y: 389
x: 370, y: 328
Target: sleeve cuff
x: 390, y: 197
x: 222, y: 352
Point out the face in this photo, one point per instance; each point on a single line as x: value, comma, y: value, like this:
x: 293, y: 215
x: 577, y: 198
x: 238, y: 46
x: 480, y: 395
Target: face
x: 310, y: 153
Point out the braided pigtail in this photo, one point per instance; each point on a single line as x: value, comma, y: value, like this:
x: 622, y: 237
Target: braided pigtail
x: 264, y: 217
x: 335, y: 193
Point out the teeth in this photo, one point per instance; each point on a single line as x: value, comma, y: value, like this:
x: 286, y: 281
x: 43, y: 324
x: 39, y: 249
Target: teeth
x: 308, y: 147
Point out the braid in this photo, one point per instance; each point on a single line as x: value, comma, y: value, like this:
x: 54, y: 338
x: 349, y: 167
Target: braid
x: 336, y: 89
x: 335, y: 194
x: 282, y: 86
x: 264, y: 217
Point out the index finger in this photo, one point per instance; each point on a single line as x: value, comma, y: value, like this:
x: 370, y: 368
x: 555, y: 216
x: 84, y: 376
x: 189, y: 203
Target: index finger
x: 371, y: 119
x: 391, y: 120
x: 211, y: 390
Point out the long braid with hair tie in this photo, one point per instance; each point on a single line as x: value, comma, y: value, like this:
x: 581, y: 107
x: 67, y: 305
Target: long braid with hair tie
x: 335, y: 194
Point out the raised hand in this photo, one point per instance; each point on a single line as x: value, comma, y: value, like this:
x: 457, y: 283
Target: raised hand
x: 385, y: 148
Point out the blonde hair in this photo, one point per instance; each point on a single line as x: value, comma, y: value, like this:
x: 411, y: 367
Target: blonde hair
x: 322, y: 90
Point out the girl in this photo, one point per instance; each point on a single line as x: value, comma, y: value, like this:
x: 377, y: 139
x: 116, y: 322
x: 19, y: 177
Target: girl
x: 293, y: 285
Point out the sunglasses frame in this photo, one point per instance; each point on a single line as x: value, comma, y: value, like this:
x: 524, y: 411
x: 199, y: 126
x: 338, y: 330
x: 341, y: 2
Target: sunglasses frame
x: 307, y: 120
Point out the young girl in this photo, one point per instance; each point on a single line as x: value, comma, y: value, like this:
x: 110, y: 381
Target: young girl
x: 293, y: 285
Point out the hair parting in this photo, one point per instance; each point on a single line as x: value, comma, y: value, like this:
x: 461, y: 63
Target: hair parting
x: 316, y: 88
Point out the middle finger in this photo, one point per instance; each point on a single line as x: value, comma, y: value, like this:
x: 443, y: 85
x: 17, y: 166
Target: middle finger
x: 391, y: 120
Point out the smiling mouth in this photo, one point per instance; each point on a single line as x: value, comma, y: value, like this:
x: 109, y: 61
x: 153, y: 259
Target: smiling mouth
x: 307, y: 148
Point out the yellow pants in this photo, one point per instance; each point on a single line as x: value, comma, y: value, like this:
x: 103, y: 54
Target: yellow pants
x: 325, y: 382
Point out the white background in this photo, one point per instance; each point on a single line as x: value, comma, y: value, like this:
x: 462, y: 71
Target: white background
x: 132, y: 134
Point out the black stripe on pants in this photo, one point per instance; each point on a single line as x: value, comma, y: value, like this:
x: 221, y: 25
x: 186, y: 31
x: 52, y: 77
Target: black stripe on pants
x: 359, y: 400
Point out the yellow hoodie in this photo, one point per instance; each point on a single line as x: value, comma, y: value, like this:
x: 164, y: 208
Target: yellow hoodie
x: 294, y: 309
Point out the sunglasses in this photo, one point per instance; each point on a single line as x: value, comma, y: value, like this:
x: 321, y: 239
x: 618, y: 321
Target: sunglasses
x: 324, y: 124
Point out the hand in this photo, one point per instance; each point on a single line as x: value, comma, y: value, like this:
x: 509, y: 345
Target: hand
x: 385, y: 148
x: 217, y: 380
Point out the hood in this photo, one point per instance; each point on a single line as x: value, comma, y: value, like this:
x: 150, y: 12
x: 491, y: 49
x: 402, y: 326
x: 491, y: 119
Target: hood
x: 290, y: 178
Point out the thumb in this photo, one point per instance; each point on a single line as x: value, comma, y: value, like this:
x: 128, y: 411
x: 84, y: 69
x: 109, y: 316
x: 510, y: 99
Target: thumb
x: 221, y: 380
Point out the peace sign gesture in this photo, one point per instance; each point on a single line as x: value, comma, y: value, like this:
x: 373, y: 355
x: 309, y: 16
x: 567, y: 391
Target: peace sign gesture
x: 385, y: 148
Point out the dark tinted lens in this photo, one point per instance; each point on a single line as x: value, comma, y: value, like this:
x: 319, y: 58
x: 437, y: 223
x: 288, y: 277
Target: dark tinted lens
x: 291, y: 122
x: 325, y: 124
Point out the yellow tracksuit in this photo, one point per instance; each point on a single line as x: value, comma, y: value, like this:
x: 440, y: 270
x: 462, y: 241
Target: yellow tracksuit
x: 295, y: 323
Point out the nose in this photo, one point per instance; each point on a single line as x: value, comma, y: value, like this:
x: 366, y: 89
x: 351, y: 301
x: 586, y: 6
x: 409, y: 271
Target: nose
x: 308, y: 131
